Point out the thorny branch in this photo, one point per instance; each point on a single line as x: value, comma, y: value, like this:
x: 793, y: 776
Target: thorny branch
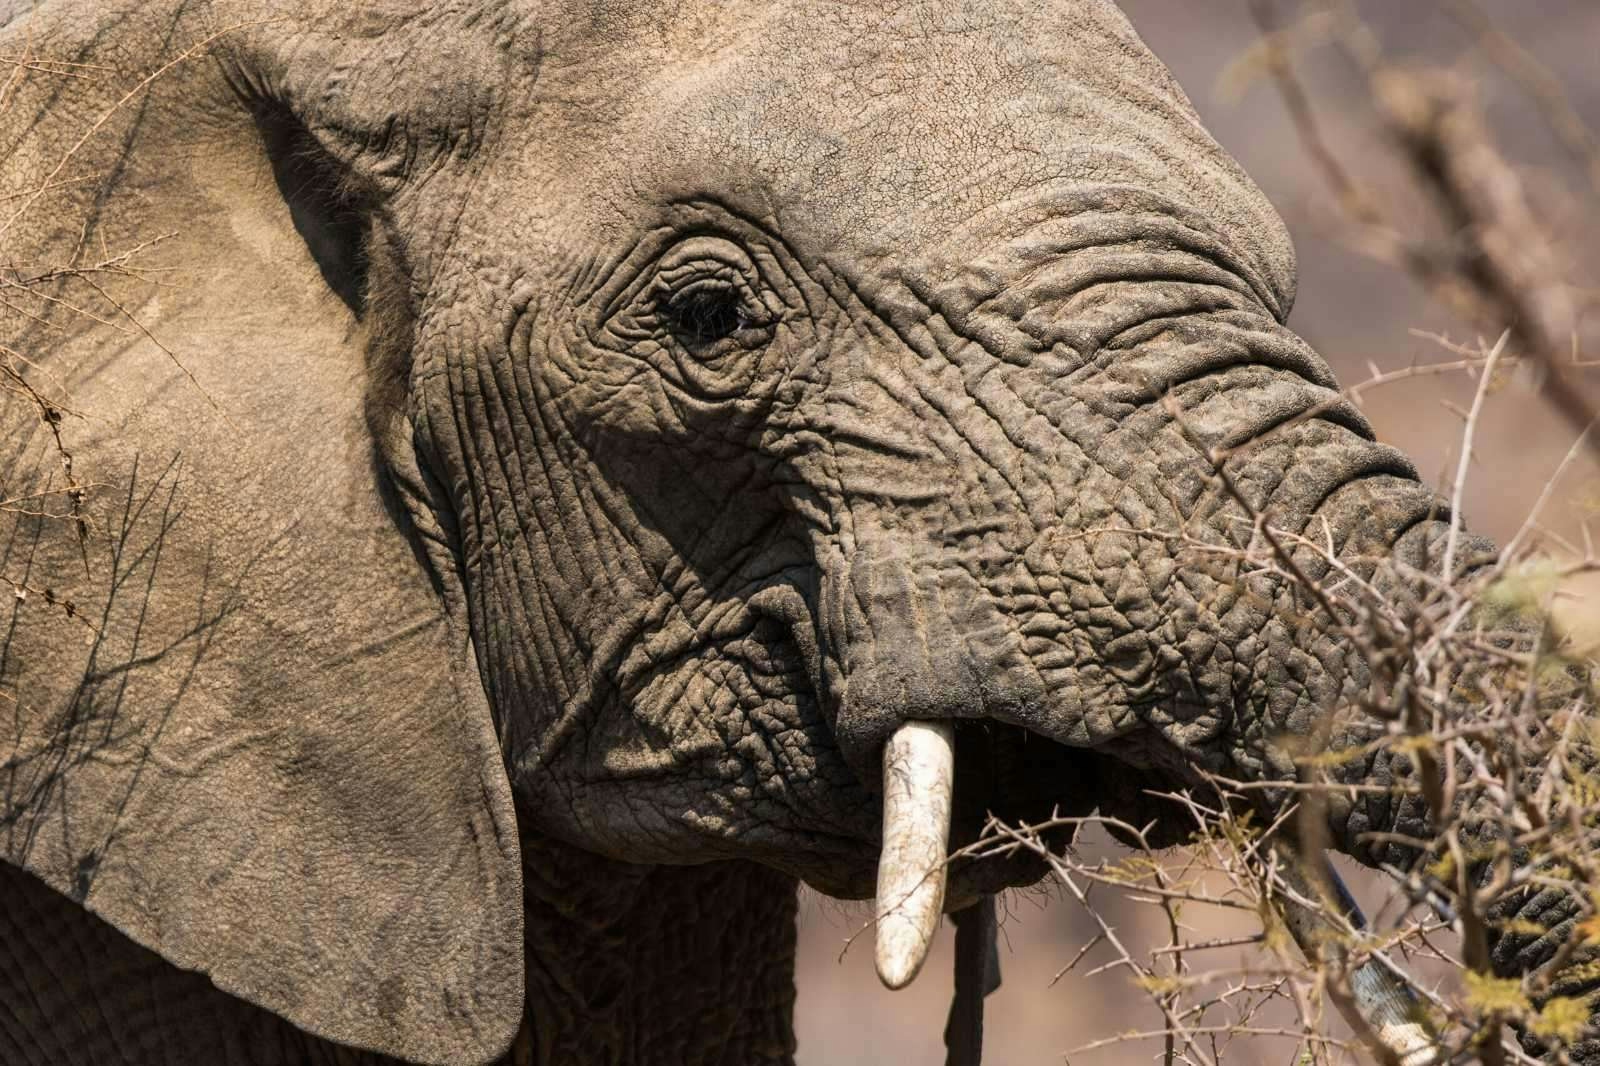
x: 42, y: 303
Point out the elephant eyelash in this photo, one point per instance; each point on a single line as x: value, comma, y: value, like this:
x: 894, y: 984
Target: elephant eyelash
x: 705, y: 313
x: 711, y: 310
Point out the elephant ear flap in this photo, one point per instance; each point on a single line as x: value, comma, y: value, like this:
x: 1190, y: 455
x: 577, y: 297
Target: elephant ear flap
x: 238, y: 719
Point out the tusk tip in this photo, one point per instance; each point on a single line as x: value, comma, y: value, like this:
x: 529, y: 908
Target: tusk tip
x: 898, y: 965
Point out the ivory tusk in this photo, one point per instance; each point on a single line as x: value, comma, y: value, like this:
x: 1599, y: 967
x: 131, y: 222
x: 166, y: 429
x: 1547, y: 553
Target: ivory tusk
x: 918, y: 779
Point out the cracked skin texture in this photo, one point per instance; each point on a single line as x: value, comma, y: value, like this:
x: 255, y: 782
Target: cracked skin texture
x: 589, y: 429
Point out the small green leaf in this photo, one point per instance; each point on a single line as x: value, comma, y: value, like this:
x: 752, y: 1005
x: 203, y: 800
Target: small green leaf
x: 1488, y: 994
x: 1563, y: 1018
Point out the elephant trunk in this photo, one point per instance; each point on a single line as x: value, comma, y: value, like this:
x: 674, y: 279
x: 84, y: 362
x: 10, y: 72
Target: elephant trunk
x: 1040, y: 498
x: 1098, y: 493
x: 1154, y: 537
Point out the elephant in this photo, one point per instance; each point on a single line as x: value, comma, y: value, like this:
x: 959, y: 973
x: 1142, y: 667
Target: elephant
x: 498, y: 478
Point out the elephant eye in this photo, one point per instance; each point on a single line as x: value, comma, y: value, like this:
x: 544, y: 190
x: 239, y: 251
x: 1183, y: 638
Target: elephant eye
x: 703, y: 317
x: 706, y: 312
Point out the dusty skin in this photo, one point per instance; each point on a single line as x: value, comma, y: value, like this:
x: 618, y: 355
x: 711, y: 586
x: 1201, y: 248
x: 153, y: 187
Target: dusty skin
x: 559, y: 447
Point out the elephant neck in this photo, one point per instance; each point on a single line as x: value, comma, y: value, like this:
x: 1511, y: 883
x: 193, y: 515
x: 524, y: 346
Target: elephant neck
x: 642, y: 965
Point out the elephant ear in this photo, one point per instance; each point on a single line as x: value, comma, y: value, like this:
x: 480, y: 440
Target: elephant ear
x: 239, y: 714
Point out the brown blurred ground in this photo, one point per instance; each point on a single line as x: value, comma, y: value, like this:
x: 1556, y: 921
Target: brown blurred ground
x: 1356, y: 313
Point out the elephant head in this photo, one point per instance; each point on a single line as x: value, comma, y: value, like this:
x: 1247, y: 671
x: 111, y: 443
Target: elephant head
x: 530, y: 430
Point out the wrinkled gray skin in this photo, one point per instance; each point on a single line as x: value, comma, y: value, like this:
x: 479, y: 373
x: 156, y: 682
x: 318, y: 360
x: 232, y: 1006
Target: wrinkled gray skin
x: 607, y: 422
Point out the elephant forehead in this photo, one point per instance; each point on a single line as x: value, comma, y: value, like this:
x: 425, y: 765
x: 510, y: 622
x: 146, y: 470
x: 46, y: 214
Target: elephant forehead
x: 865, y: 131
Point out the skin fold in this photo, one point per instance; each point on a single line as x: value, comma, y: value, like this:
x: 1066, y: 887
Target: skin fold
x: 560, y: 444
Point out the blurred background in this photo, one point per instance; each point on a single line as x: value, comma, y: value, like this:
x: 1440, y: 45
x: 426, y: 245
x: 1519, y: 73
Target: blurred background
x: 1364, y: 317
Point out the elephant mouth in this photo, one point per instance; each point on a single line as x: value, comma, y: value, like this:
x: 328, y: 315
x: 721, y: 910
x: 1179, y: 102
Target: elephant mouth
x: 944, y: 785
x: 1009, y: 774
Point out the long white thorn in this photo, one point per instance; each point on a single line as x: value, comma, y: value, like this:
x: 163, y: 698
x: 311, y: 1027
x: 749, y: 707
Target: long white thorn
x: 918, y: 778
